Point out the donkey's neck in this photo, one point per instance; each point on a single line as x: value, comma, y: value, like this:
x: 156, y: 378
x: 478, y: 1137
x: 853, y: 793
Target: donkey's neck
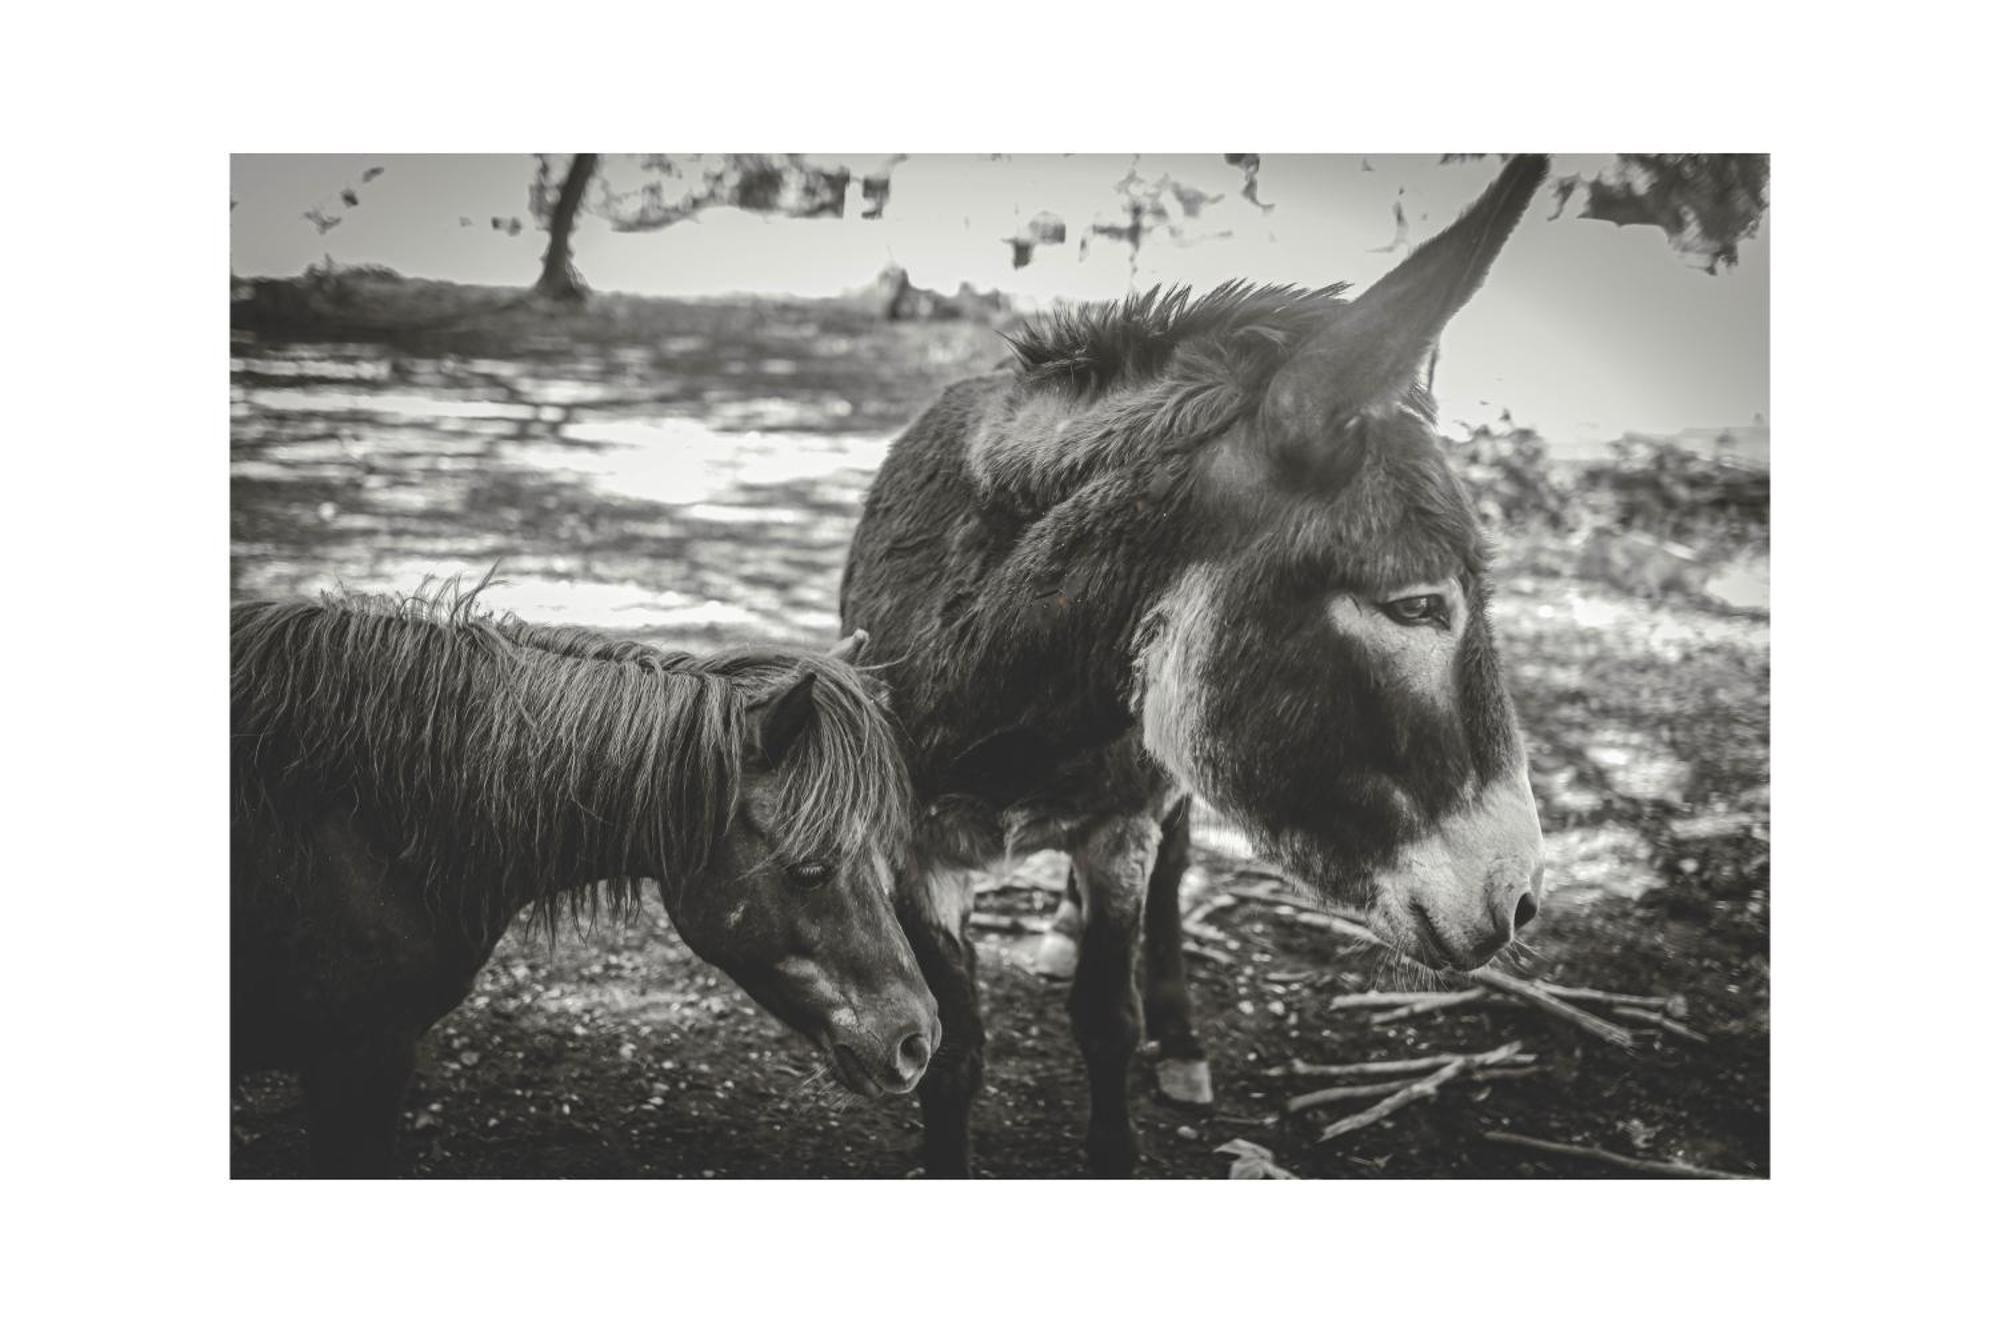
x: 1052, y: 645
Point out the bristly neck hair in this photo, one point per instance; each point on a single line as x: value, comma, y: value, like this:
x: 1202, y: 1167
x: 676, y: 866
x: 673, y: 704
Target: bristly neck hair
x: 1135, y: 381
x: 1088, y: 349
x: 502, y: 762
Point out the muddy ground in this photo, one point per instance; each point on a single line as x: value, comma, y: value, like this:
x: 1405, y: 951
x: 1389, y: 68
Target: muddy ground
x: 689, y: 474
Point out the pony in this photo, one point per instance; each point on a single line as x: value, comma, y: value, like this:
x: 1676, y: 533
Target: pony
x: 411, y: 773
x: 1197, y: 547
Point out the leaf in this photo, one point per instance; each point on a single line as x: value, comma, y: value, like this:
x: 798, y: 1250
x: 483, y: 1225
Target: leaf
x: 1253, y: 1162
x: 1251, y: 1168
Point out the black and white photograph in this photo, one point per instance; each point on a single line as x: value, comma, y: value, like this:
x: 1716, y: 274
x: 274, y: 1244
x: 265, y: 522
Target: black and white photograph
x: 1000, y: 665
x: 865, y: 697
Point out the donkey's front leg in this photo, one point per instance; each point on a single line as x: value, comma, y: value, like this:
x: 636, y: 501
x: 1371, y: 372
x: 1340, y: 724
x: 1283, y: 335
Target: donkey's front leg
x: 933, y: 910
x: 1112, y: 863
x: 1182, y: 1071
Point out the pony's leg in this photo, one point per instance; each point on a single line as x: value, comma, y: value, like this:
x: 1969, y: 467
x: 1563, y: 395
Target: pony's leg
x: 1056, y: 956
x: 933, y: 910
x: 352, y: 1099
x: 1182, y: 1071
x: 1112, y: 864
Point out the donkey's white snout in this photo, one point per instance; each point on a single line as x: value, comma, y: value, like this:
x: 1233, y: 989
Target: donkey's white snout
x: 1457, y: 897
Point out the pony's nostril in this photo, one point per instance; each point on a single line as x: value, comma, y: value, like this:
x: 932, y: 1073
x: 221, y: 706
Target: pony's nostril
x: 1525, y: 909
x: 913, y: 1054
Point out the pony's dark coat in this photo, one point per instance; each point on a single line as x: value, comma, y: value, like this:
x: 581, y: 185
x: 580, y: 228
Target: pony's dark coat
x: 409, y: 773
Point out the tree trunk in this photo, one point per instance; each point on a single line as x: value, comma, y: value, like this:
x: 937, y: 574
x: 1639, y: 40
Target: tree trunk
x: 560, y: 280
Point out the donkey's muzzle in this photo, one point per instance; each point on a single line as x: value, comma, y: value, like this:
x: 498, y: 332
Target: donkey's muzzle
x: 1511, y: 903
x: 1458, y: 896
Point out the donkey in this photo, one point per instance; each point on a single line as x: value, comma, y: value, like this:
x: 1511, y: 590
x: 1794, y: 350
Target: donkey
x: 409, y: 774
x: 1197, y: 546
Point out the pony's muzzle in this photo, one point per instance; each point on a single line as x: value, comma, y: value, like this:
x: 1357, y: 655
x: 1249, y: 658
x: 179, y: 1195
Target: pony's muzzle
x: 895, y: 1066
x: 913, y: 1057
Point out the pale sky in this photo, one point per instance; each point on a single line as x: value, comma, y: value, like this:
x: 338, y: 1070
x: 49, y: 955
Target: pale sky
x: 1584, y: 330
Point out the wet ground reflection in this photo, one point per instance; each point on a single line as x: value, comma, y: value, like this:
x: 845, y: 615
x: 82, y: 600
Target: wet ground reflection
x: 611, y: 495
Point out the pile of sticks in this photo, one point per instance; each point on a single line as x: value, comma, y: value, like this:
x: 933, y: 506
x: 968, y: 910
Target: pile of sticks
x: 1389, y: 1086
x: 1395, y: 1084
x: 1489, y: 985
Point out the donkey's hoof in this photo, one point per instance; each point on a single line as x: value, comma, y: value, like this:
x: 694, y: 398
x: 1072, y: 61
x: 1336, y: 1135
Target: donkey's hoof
x: 1186, y: 1082
x: 1057, y: 956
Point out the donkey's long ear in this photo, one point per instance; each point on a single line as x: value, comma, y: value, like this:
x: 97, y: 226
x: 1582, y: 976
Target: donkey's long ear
x: 1370, y: 350
x: 777, y: 719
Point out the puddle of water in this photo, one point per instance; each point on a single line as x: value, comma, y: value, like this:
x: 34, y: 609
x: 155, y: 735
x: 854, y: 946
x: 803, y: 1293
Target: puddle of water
x: 312, y: 368
x: 571, y: 392
x: 252, y: 469
x: 734, y: 515
x: 613, y: 606
x: 774, y: 413
x: 387, y: 404
x: 680, y: 461
x: 1745, y: 584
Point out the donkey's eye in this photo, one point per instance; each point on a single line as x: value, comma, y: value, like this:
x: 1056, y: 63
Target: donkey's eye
x: 1429, y: 609
x: 810, y: 873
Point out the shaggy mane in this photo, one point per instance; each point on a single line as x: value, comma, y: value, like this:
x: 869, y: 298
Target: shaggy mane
x: 493, y: 751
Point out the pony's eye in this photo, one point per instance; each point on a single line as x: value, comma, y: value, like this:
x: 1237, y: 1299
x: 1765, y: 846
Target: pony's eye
x: 810, y: 873
x: 1428, y: 609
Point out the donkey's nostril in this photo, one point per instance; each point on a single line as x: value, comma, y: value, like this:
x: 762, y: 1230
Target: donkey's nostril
x: 1524, y: 911
x: 913, y: 1054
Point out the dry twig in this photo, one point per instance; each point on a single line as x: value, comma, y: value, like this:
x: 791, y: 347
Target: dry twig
x: 1604, y: 996
x: 1305, y: 1101
x: 1384, y: 999
x: 1611, y: 1158
x: 1517, y: 1066
x: 1658, y: 1020
x: 1445, y: 1000
x: 1201, y: 932
x: 1529, y: 992
x: 1423, y: 1087
x: 1415, y: 1065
